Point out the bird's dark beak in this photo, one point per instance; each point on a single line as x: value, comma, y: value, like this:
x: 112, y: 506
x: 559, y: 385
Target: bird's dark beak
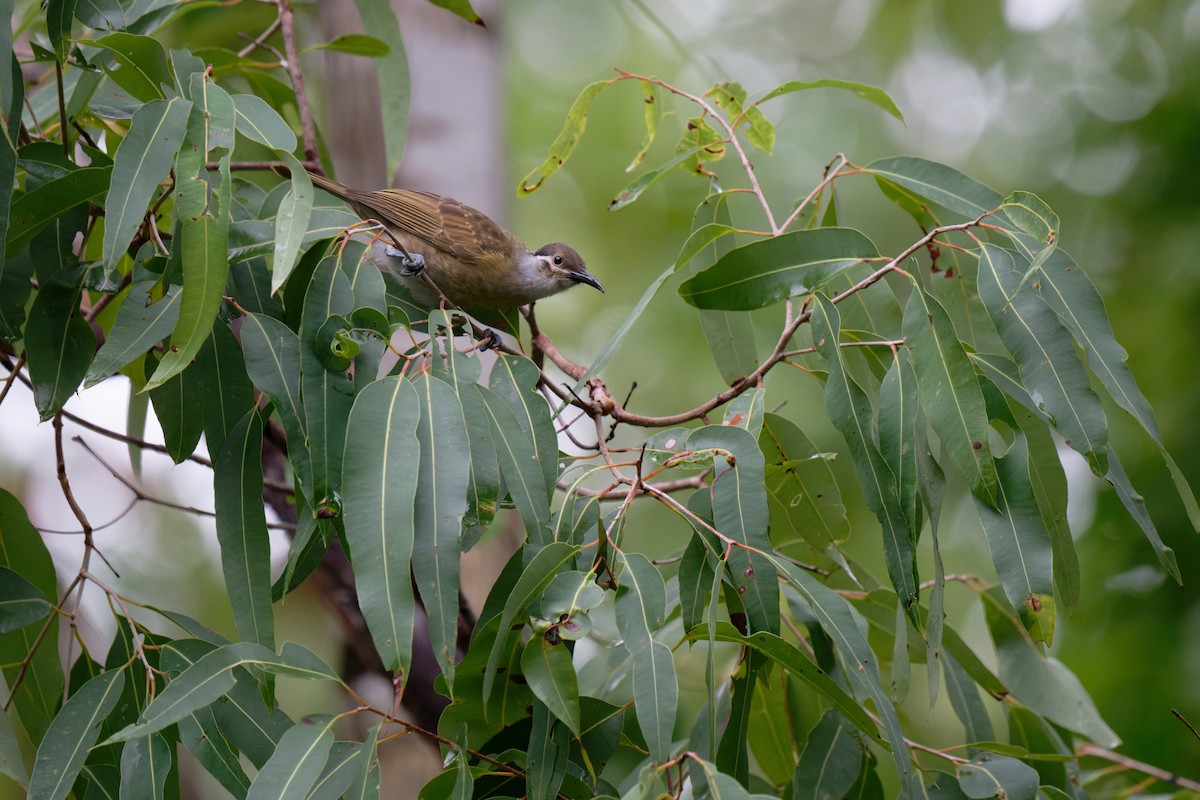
x: 583, y: 276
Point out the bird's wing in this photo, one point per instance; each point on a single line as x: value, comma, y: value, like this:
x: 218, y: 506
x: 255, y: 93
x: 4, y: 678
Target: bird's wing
x: 447, y: 224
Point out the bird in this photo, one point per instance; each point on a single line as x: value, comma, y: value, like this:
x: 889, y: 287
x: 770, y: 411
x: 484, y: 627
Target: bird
x: 443, y: 248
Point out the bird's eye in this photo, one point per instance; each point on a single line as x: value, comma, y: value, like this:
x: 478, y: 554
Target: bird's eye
x: 558, y: 261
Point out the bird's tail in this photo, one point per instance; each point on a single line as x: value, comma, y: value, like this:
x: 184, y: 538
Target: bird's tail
x: 321, y: 182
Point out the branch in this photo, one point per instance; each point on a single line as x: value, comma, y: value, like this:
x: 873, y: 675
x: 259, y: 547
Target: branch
x: 1096, y: 751
x: 287, y: 23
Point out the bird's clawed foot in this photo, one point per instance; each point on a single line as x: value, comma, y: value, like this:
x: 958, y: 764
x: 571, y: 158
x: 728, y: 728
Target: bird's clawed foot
x: 410, y: 263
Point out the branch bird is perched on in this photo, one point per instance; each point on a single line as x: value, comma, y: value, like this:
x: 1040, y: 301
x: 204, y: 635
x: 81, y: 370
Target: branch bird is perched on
x: 473, y: 261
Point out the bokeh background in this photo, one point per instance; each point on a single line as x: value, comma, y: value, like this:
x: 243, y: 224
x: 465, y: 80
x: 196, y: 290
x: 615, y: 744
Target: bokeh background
x: 1094, y: 105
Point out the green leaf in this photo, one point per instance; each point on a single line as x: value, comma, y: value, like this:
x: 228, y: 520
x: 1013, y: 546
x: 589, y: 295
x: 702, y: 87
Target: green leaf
x: 203, y: 738
x: 964, y: 699
x: 764, y: 272
x: 549, y: 672
x: 937, y: 184
x: 730, y: 335
x: 214, y: 675
x: 341, y: 765
x: 297, y: 761
x: 1135, y: 504
x: 1032, y: 216
x: 1045, y: 355
x: 21, y: 603
x: 178, y: 405
x: 144, y: 766
x: 220, y: 369
x: 22, y: 550
x: 838, y: 620
x: 328, y: 396
x: 829, y: 763
x: 258, y: 121
x: 641, y: 607
x: 850, y: 411
x: 1020, y: 544
x: 1070, y: 292
x: 1042, y: 683
x: 378, y: 506
x: 291, y: 221
x: 547, y: 754
x: 652, y: 116
x: 74, y: 730
x: 139, y: 325
x: 730, y: 97
x: 564, y: 145
x: 12, y: 763
x: 273, y: 363
x: 242, y: 530
x: 59, y: 16
x: 989, y: 775
x: 949, y: 391
x: 535, y: 577
x: 797, y: 663
x: 395, y: 87
x: 356, y: 44
x: 366, y: 777
x: 739, y: 501
x: 629, y: 195
x: 203, y: 239
x: 460, y: 7
x: 143, y: 159
x: 141, y: 64
x: 804, y: 498
x: 32, y: 211
x: 872, y: 94
x: 516, y: 380
x: 58, y: 342
x: 519, y: 466
x: 438, y: 509
x: 898, y: 433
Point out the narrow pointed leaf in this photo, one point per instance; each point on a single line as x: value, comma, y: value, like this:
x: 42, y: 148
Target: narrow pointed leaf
x: 829, y: 763
x: 549, y: 672
x: 328, y: 395
x: 1045, y: 355
x: 739, y: 501
x: 74, y: 730
x: 898, y: 435
x: 242, y: 530
x: 1135, y: 504
x: 220, y: 369
x: 341, y: 765
x: 58, y: 342
x: 291, y: 222
x: 32, y: 211
x: 297, y: 762
x: 516, y: 380
x: 1070, y: 292
x: 1020, y: 544
x: 989, y: 775
x: 139, y: 325
x: 641, y: 605
x: 439, y: 506
x: 938, y: 184
x: 535, y: 577
x: 395, y: 88
x: 22, y: 550
x: 21, y: 603
x: 806, y: 503
x: 144, y: 767
x: 143, y: 159
x: 850, y: 410
x: 548, y: 753
x: 764, y: 272
x: 1040, y: 682
x: 178, y: 405
x: 1031, y: 214
x: 949, y: 391
x: 872, y: 94
x: 838, y: 621
x: 523, y: 474
x: 258, y: 121
x: 205, y: 225
x: 564, y: 145
x: 142, y: 68
x: 213, y: 676
x: 378, y: 507
x: 273, y: 362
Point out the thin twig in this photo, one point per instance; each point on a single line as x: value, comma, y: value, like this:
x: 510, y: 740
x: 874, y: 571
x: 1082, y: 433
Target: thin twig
x: 1086, y: 749
x: 287, y: 21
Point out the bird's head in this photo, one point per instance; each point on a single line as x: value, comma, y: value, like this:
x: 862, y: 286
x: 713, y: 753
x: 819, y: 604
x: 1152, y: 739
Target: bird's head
x: 562, y: 265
